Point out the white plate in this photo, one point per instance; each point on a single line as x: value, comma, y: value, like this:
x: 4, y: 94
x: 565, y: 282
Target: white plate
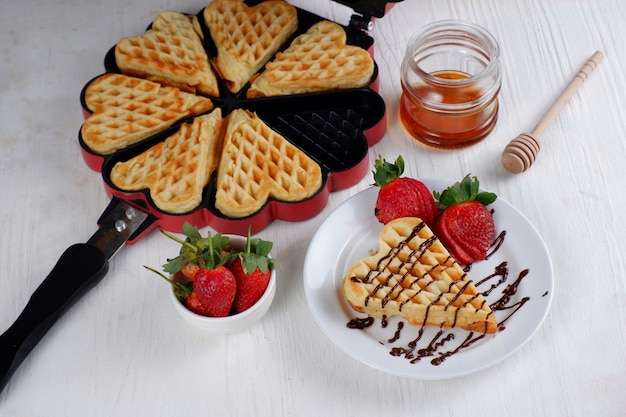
x: 351, y: 231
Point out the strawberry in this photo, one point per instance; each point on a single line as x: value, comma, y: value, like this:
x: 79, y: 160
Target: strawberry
x: 211, y: 287
x: 215, y: 289
x: 401, y: 196
x: 252, y: 269
x: 210, y: 293
x: 193, y: 303
x: 465, y: 225
x: 183, y: 289
x: 210, y: 278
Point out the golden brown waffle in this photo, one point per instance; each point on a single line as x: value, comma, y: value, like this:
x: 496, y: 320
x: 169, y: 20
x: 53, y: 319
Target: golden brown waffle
x: 257, y: 164
x: 317, y: 60
x: 247, y: 37
x: 171, y: 53
x: 413, y: 276
x: 177, y: 169
x: 128, y: 109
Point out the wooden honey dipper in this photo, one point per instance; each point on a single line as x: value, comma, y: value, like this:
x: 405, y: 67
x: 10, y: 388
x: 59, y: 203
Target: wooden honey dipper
x: 522, y: 151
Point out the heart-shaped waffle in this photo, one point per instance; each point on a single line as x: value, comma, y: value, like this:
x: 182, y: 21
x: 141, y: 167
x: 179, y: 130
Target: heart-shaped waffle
x: 257, y: 164
x: 127, y: 110
x: 171, y: 53
x: 177, y: 169
x: 318, y: 60
x: 247, y: 37
x: 413, y: 276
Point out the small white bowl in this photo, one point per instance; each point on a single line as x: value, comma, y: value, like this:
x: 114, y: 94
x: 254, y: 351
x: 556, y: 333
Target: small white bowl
x: 236, y: 322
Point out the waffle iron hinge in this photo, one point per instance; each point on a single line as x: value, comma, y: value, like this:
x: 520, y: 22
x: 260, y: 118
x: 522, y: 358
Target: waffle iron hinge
x: 362, y: 23
x: 366, y: 11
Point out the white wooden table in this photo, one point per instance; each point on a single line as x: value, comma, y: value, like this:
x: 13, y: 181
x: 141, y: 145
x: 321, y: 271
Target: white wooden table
x: 121, y: 351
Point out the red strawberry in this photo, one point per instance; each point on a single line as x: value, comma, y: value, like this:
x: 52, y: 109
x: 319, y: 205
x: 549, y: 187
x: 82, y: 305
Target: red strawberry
x: 401, y: 196
x: 215, y: 289
x: 465, y: 226
x: 183, y: 289
x: 193, y: 304
x: 252, y: 269
x: 211, y: 287
x: 250, y: 286
x: 211, y: 293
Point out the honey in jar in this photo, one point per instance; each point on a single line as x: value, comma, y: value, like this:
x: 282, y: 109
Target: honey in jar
x: 450, y: 84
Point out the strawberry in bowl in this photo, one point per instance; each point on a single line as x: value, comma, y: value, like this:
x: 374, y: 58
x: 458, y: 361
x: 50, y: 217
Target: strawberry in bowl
x: 221, y: 283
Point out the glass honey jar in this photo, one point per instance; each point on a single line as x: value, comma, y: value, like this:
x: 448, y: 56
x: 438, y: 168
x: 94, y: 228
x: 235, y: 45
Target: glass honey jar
x: 451, y: 79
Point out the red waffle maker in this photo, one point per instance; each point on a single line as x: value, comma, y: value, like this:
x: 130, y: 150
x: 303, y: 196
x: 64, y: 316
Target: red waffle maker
x: 335, y: 128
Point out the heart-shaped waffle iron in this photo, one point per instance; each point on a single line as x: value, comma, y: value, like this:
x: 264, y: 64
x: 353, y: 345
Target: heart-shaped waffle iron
x: 334, y: 128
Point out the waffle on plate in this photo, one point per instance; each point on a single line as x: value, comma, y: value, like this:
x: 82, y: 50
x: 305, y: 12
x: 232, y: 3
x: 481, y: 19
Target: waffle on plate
x: 413, y: 276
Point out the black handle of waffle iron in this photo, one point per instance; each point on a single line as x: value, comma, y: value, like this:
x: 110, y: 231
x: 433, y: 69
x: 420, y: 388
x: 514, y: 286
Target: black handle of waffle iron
x: 78, y: 270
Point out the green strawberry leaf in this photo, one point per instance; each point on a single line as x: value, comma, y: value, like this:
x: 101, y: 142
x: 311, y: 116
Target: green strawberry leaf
x: 468, y: 188
x: 192, y: 232
x: 486, y: 198
x: 220, y: 242
x: 213, y: 251
x: 463, y: 191
x: 251, y: 262
x: 260, y: 247
x: 385, y: 172
x: 208, y: 252
x: 175, y: 264
x: 256, y: 255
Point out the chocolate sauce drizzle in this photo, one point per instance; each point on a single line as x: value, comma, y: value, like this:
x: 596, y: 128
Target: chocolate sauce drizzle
x: 361, y: 323
x: 396, y: 335
x: 441, y: 346
x: 413, y: 259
